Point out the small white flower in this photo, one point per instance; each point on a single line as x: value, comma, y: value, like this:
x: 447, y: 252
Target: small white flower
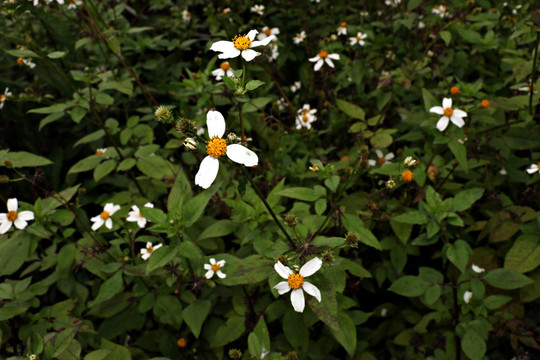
x: 384, y: 312
x: 323, y: 57
x: 214, y: 267
x: 527, y: 89
x: 191, y: 143
x: 258, y: 9
x: 342, y: 29
x: 410, y: 161
x: 534, y: 168
x: 392, y: 3
x: 14, y: 217
x: 186, y: 16
x: 381, y: 158
x: 305, y: 117
x: 135, y: 215
x: 28, y: 63
x: 274, y: 52
x: 358, y: 39
x: 300, y: 37
x: 295, y: 281
x: 467, y: 296
x: 440, y: 10
x: 282, y: 104
x: 390, y: 184
x: 296, y: 86
x: 105, y: 216
x: 503, y: 171
x: 240, y: 45
x: 477, y: 269
x: 3, y: 97
x: 449, y: 114
x: 314, y: 168
x: 149, y: 250
x: 266, y: 32
x: 101, y: 151
x: 224, y: 69
x: 218, y: 147
x: 73, y: 4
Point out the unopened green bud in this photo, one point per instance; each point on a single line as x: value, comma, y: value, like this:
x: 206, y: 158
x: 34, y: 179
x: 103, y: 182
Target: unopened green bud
x: 390, y: 184
x: 352, y: 239
x: 7, y: 163
x: 186, y: 127
x: 235, y: 354
x: 232, y: 137
x: 164, y: 114
x: 4, y: 179
x: 190, y: 143
x: 327, y: 257
x: 364, y: 149
x: 290, y: 220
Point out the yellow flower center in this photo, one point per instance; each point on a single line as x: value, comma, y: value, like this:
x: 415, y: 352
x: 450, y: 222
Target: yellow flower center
x: 305, y: 118
x: 216, y: 147
x: 436, y: 7
x: 100, y: 152
x: 448, y: 112
x: 295, y: 281
x: 241, y: 42
x: 407, y: 176
x: 216, y: 267
x: 343, y: 24
x: 305, y: 111
x: 20, y: 61
x: 267, y: 31
x: 150, y: 249
x: 299, y: 35
x: 485, y: 103
x: 454, y: 90
x: 323, y: 54
x: 381, y: 160
x: 140, y: 214
x: 12, y: 216
x: 187, y: 14
x: 181, y: 342
x: 225, y: 66
x: 104, y: 215
x: 538, y: 165
x: 2, y: 97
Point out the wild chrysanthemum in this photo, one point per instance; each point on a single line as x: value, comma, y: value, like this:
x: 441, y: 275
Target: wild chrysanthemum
x: 14, y: 217
x: 149, y: 250
x: 381, y: 158
x: 135, y: 215
x: 266, y: 32
x: 296, y: 282
x: 342, y: 29
x: 449, y: 114
x: 358, y: 39
x: 224, y: 69
x: 534, y: 168
x: 300, y: 37
x: 3, y: 97
x: 305, y: 117
x: 240, y: 45
x: 323, y: 57
x: 296, y: 86
x: 105, y: 216
x: 258, y: 9
x: 101, y: 151
x: 218, y: 147
x: 214, y: 267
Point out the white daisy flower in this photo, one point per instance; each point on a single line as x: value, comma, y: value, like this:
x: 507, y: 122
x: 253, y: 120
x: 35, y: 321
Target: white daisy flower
x: 440, y: 10
x: 105, y: 216
x: 214, y: 267
x: 342, y: 29
x: 392, y: 3
x: 135, y: 215
x: 258, y: 9
x: 305, y: 117
x: 323, y: 57
x: 266, y: 32
x: 14, y: 217
x: 503, y: 171
x: 296, y: 86
x: 73, y: 4
x: 295, y: 281
x: 101, y: 151
x: 410, y: 161
x: 358, y: 39
x: 527, y: 89
x: 218, y: 147
x: 240, y: 45
x: 282, y: 104
x: 381, y: 158
x: 186, y: 16
x: 467, y: 296
x: 224, y: 69
x: 4, y: 96
x: 274, y: 52
x: 148, y: 251
x: 477, y: 269
x: 534, y: 168
x: 300, y: 37
x: 449, y: 114
x: 26, y: 62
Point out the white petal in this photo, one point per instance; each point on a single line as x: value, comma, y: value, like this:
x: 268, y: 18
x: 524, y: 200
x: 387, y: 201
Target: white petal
x: 98, y: 222
x: 207, y: 172
x: 437, y: 110
x: 146, y: 256
x: 141, y: 222
x: 215, y: 123
x: 446, y: 103
x: 311, y: 267
x: 207, y: 267
x: 114, y: 209
x: 532, y: 169
x: 442, y: 123
x: 329, y: 62
x: 318, y: 65
x: 26, y: 215
x: 12, y: 204
x: 230, y: 53
x: 297, y: 300
x: 108, y: 223
x: 333, y: 56
x: 379, y: 153
x: 252, y: 34
x: 209, y: 274
x: 222, y: 46
x: 133, y: 216
x: 459, y: 122
x: 149, y: 205
x: 389, y: 156
x: 459, y: 113
x: 242, y: 155
x: 221, y: 275
x: 5, y: 226
x: 282, y: 287
x: 263, y: 42
x: 212, y: 261
x: 477, y: 269
x: 315, y: 58
x: 221, y: 263
x: 282, y: 270
x: 249, y: 54
x: 20, y: 223
x: 371, y: 162
x: 3, y: 217
x: 312, y: 290
x: 157, y: 246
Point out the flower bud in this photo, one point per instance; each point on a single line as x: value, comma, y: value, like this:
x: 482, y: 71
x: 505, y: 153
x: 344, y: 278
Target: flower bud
x: 164, y: 114
x: 352, y: 239
x: 327, y: 257
x: 232, y: 137
x: 410, y: 161
x: 390, y: 184
x: 186, y: 127
x: 8, y: 163
x: 290, y: 220
x: 235, y: 354
x: 190, y: 143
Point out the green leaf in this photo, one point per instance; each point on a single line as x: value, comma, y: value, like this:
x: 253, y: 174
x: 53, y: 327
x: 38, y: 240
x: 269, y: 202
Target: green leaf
x: 194, y: 208
x: 332, y: 182
x: 22, y: 53
x: 25, y: 159
x: 352, y: 110
x: 86, y: 164
x: 507, y: 279
x: 154, y: 215
x: 50, y: 109
x: 466, y: 198
x: 296, y: 332
x: 104, y: 169
x: 496, y: 301
x: 8, y: 312
x: 354, y: 224
x: 458, y: 254
x: 155, y: 167
x: 57, y: 54
x: 168, y: 309
x: 17, y: 248
x: 124, y: 86
x: 218, y: 229
x: 460, y: 153
x: 160, y: 258
x: 189, y: 250
x: 126, y: 164
x: 409, y: 286
x: 401, y: 230
x: 231, y: 330
x: 253, y: 84
x: 524, y: 255
x: 104, y: 99
x: 299, y: 193
x: 259, y: 340
x: 229, y: 82
x: 446, y: 36
x: 473, y: 345
x: 77, y: 114
x: 412, y: 217
x: 109, y: 288
x: 195, y: 314
x: 382, y: 139
x: 346, y: 335
x: 249, y: 270
x: 413, y: 4
x: 429, y: 100
x: 254, y: 346
x: 96, y: 135
x: 50, y: 118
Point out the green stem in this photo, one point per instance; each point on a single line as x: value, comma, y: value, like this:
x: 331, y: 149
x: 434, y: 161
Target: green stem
x: 533, y: 75
x: 261, y: 196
